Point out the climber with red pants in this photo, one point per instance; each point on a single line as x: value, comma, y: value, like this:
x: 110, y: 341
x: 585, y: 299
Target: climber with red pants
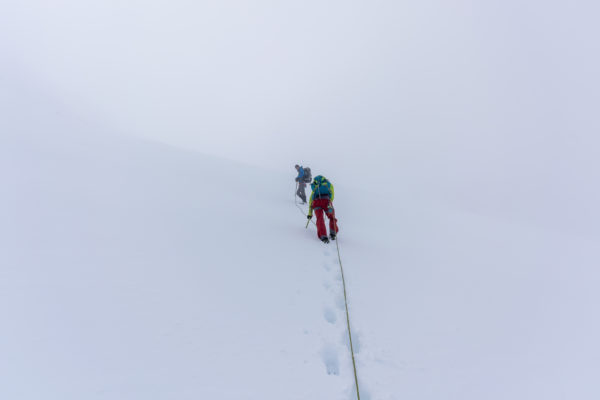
x: 321, y: 202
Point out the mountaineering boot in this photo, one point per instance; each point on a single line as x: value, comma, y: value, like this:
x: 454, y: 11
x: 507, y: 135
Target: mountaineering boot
x: 332, y: 235
x: 324, y: 239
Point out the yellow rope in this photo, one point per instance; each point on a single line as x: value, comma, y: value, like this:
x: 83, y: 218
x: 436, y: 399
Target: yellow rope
x: 348, y: 319
x: 345, y: 302
x: 301, y: 210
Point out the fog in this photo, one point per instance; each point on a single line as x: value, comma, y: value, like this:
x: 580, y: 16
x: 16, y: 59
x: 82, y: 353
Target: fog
x: 489, y: 105
x: 138, y: 260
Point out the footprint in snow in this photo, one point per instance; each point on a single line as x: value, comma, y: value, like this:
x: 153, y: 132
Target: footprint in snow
x: 356, y: 340
x: 329, y: 315
x: 331, y: 360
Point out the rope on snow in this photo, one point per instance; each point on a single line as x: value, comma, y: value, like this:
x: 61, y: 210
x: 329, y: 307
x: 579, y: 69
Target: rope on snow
x: 337, y: 245
x: 300, y: 208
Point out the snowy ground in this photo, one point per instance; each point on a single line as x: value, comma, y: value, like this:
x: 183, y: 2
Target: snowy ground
x: 462, y: 143
x: 132, y: 270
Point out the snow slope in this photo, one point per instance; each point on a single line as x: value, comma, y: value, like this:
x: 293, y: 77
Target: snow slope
x: 131, y: 270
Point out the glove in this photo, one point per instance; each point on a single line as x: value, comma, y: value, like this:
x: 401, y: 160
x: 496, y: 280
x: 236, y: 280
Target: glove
x: 308, y: 216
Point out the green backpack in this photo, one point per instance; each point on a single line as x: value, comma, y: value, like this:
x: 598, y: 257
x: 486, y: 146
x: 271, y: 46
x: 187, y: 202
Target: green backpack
x: 321, y: 186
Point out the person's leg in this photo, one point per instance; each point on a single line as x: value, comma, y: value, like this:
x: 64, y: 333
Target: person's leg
x: 302, y: 188
x: 332, y: 220
x: 321, y: 230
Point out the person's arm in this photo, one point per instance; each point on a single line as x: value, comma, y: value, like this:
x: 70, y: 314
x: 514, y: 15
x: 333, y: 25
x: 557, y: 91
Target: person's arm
x: 332, y: 192
x: 300, y: 174
x: 310, y: 204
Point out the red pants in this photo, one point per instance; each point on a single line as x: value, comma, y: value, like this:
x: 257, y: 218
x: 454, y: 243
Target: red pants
x: 321, y: 206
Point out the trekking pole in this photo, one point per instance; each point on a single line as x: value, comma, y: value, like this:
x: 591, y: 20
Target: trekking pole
x: 307, y: 222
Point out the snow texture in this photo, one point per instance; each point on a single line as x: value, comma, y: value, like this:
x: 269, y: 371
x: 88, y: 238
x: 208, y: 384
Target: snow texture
x: 462, y: 140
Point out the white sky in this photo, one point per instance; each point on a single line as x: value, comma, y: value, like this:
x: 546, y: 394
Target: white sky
x: 497, y: 96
